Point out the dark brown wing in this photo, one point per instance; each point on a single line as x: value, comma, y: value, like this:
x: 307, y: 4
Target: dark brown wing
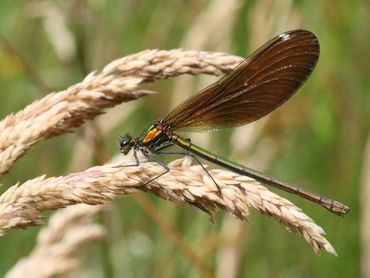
x: 257, y: 86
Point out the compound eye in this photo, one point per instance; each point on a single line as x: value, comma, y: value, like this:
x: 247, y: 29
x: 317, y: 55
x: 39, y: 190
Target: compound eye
x: 125, y: 144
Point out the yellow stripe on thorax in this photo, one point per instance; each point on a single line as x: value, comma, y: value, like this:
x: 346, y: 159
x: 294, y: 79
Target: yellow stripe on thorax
x: 152, y: 134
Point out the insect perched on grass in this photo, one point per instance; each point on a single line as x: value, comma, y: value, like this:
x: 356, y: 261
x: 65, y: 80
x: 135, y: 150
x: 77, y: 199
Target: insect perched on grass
x: 257, y: 86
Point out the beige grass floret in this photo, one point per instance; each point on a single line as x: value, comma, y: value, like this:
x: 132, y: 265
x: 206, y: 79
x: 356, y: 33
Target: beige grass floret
x: 21, y: 205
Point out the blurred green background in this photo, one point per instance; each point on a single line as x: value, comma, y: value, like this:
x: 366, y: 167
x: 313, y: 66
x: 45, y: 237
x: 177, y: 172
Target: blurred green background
x: 317, y: 139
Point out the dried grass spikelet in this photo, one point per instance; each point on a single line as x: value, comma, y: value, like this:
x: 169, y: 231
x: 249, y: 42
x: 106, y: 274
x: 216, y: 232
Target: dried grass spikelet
x: 59, y: 112
x: 22, y: 205
x: 58, y: 247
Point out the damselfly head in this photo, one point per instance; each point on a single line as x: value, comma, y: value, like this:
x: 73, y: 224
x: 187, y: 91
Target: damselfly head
x: 126, y: 143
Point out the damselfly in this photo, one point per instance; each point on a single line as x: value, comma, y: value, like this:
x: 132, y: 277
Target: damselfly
x: 256, y: 87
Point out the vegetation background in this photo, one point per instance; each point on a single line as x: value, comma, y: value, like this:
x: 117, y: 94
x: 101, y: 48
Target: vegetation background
x: 319, y: 139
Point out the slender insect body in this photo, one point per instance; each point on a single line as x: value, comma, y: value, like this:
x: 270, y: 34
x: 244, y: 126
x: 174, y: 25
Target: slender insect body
x: 256, y: 87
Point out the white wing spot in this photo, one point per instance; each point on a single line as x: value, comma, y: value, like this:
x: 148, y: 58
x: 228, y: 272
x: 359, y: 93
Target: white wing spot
x: 284, y: 36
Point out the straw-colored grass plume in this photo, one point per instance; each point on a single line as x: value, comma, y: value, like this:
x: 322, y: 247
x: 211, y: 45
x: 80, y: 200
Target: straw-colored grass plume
x: 22, y: 204
x: 59, y: 245
x: 58, y: 113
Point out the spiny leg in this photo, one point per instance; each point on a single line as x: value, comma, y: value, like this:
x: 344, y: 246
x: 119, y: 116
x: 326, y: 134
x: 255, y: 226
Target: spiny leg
x: 148, y: 157
x: 197, y: 205
x: 137, y: 162
x: 197, y: 160
x: 167, y: 169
